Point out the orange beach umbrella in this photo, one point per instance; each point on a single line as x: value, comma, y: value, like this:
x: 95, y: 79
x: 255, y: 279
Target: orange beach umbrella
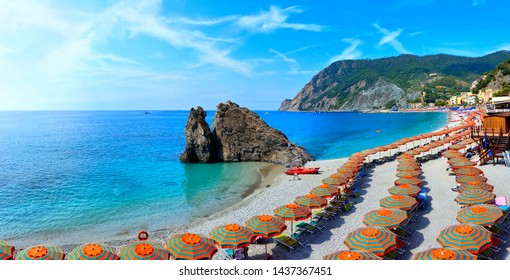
x: 6, y: 251
x: 403, y: 202
x: 232, y: 236
x: 387, y: 218
x: 324, y: 190
x: 351, y: 256
x: 93, y: 251
x: 377, y: 240
x: 444, y: 254
x: 471, y: 238
x: 41, y: 252
x: 266, y: 226
x: 405, y: 189
x: 311, y: 201
x: 144, y: 250
x: 482, y: 215
x: 292, y: 212
x: 471, y: 197
x: 190, y: 246
x: 476, y: 186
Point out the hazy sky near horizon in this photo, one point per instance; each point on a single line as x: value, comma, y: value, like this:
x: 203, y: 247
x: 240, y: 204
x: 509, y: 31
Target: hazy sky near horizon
x: 178, y: 54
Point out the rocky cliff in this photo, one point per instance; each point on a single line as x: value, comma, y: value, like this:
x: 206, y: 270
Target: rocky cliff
x: 387, y: 82
x: 238, y: 134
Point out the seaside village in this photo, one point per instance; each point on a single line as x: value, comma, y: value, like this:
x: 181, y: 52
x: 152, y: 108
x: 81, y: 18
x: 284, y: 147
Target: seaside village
x: 435, y: 196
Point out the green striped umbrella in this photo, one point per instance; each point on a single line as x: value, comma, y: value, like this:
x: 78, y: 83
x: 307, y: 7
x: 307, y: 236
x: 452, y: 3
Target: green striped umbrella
x: 144, y: 250
x: 444, y: 254
x: 311, y: 201
x: 402, y: 202
x: 482, y: 215
x: 407, y: 167
x: 377, y: 240
x: 387, y: 218
x: 472, y: 197
x: 451, y: 154
x: 292, y: 212
x: 469, y: 171
x: 471, y: 238
x: 405, y: 190
x: 457, y: 159
x: 190, y: 246
x: 465, y: 179
x: 93, y: 251
x: 232, y: 236
x: 409, y: 181
x: 266, y: 226
x: 324, y: 190
x: 351, y: 256
x: 475, y: 186
x: 460, y: 164
x: 408, y: 173
x: 335, y: 181
x: 41, y: 252
x: 6, y: 251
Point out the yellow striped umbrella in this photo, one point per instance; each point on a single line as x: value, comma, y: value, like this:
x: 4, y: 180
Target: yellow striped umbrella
x: 190, y: 246
x: 233, y: 236
x: 471, y: 238
x: 472, y: 197
x: 93, y: 251
x: 311, y: 201
x: 351, y: 256
x: 405, y: 190
x: 409, y: 181
x: 476, y: 186
x: 403, y: 202
x: 444, y: 254
x: 377, y: 240
x: 325, y: 191
x: 144, y: 250
x: 482, y: 215
x: 6, y: 251
x: 465, y: 179
x: 41, y: 252
x: 387, y: 218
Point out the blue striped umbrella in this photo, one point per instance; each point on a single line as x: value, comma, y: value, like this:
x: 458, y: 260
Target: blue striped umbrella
x: 6, y: 251
x: 190, y: 246
x: 41, y: 252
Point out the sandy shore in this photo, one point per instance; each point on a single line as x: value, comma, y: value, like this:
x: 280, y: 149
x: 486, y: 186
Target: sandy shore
x: 277, y: 189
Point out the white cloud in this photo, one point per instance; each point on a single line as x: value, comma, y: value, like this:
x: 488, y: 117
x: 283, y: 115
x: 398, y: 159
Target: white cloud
x: 275, y: 18
x: 351, y: 52
x: 390, y: 38
x: 293, y: 65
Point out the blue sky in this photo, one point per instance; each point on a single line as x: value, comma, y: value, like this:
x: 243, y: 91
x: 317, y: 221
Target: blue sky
x: 179, y: 54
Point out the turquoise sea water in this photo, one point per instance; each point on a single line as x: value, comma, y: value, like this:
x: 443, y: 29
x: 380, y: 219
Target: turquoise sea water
x: 82, y: 175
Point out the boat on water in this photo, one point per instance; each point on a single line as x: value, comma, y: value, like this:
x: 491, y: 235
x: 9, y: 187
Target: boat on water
x: 302, y: 170
x: 147, y: 112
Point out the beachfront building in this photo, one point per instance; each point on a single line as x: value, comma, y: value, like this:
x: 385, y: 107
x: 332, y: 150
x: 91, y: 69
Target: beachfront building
x: 485, y: 95
x: 499, y: 105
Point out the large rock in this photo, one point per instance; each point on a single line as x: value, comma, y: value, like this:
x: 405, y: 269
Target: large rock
x: 198, y: 138
x: 239, y: 134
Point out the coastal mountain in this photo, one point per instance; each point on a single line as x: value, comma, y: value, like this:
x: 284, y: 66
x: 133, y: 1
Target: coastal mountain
x: 496, y: 81
x: 385, y: 83
x: 238, y: 134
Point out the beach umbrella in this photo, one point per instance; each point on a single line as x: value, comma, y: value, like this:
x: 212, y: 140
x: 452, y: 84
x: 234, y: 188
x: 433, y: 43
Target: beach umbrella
x: 412, y: 163
x: 190, y: 246
x: 471, y: 238
x: 335, y: 181
x: 482, y: 215
x: 409, y: 181
x: 462, y: 164
x: 41, y: 252
x: 408, y: 173
x: 465, y: 179
x: 351, y: 255
x: 6, y: 251
x: 292, y: 212
x: 407, y: 167
x: 458, y: 159
x: 444, y: 254
x: 451, y: 154
x: 468, y: 171
x: 233, y: 236
x: 387, y: 218
x: 324, y: 191
x: 472, y: 197
x: 377, y: 240
x: 266, y: 226
x: 405, y: 190
x: 144, y: 250
x: 93, y: 251
x: 402, y: 202
x: 475, y: 186
x: 311, y: 201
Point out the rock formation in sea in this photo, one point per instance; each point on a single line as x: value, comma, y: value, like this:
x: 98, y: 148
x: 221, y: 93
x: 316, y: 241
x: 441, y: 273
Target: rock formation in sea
x: 238, y: 134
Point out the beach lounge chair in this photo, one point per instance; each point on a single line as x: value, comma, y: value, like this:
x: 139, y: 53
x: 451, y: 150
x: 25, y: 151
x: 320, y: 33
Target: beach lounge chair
x: 332, y: 210
x: 300, y: 237
x: 498, y: 231
x: 321, y: 216
x: 485, y: 254
x: 312, y: 229
x: 287, y: 242
x: 354, y: 192
x: 347, y: 207
x: 391, y: 255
